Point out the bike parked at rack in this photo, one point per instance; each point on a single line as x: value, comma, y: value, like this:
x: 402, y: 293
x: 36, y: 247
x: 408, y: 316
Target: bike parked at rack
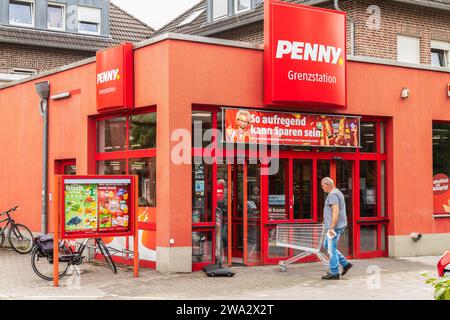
x: 19, y: 236
x: 42, y: 256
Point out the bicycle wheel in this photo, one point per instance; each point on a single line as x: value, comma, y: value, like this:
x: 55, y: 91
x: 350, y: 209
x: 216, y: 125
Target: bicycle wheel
x: 105, y: 253
x: 43, y: 267
x: 20, y: 238
x: 2, y: 237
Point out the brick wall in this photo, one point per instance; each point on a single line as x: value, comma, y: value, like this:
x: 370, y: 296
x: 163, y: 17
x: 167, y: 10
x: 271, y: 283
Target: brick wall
x: 371, y: 39
x: 35, y: 58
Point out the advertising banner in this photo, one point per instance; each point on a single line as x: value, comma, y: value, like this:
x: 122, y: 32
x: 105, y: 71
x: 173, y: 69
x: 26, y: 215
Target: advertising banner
x: 97, y: 207
x: 285, y: 128
x: 115, y: 77
x: 304, y: 56
x: 441, y: 194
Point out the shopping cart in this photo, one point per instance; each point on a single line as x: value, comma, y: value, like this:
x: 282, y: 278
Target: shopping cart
x: 307, y: 238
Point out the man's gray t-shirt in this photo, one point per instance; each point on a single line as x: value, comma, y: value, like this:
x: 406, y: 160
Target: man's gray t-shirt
x: 334, y: 197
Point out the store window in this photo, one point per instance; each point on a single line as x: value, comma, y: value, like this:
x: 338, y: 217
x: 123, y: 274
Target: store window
x: 368, y: 188
x: 278, y: 202
x: 201, y: 193
x: 441, y: 168
x: 111, y: 135
x: 21, y: 13
x: 126, y: 146
x: 143, y: 131
x: 55, y: 16
x: 302, y: 179
x: 201, y: 122
x: 145, y: 169
x: 368, y: 137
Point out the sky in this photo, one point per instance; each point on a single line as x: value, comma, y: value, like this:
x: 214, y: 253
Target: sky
x: 156, y: 13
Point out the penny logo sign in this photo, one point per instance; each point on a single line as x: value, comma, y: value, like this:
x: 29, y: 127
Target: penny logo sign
x: 304, y: 56
x: 115, y: 78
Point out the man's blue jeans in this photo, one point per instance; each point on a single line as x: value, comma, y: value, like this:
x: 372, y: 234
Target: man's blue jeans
x: 336, y: 257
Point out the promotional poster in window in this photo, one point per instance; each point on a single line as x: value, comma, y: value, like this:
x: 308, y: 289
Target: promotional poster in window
x: 441, y: 194
x: 296, y: 129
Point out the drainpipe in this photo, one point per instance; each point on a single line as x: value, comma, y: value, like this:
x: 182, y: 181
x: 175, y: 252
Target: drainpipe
x: 352, y: 28
x: 43, y: 90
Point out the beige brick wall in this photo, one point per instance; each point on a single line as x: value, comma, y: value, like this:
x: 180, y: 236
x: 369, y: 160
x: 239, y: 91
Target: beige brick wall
x: 36, y: 58
x: 396, y: 18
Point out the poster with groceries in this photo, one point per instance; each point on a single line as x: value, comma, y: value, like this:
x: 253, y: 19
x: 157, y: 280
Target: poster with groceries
x: 113, y: 204
x: 97, y: 208
x: 80, y: 207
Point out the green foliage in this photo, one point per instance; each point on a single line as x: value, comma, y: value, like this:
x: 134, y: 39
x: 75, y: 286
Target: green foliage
x: 441, y: 286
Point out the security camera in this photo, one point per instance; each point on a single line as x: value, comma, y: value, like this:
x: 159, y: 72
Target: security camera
x: 416, y: 236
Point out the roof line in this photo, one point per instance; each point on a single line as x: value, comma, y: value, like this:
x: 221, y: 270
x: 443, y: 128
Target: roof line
x: 425, y: 4
x: 199, y: 39
x: 45, y: 45
x: 250, y: 21
x: 127, y: 13
x: 216, y: 41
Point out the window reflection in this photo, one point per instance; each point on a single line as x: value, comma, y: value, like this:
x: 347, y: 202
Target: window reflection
x: 111, y: 135
x: 145, y: 169
x: 112, y: 167
x: 143, y: 131
x: 368, y: 137
x: 278, y: 204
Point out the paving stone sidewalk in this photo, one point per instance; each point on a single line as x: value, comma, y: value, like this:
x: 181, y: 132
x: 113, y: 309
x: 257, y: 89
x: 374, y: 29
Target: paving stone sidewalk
x: 369, y: 279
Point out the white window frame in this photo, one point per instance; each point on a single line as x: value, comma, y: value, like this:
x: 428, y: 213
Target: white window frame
x: 418, y: 48
x: 214, y: 18
x: 236, y: 11
x: 32, y: 5
x: 99, y: 23
x: 63, y: 7
x: 444, y: 46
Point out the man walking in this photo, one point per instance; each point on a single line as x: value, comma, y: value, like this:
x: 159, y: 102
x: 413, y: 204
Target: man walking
x: 335, y: 220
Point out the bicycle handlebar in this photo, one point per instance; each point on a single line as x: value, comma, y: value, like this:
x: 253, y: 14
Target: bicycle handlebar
x: 10, y: 210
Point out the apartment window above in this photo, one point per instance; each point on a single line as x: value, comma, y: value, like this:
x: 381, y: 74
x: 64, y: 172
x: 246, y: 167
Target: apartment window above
x: 219, y: 9
x: 440, y: 54
x: 55, y: 17
x: 408, y: 49
x: 21, y: 13
x: 89, y: 20
x: 242, y: 5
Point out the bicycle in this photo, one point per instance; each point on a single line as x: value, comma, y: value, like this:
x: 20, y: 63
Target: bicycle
x: 42, y: 256
x: 19, y: 236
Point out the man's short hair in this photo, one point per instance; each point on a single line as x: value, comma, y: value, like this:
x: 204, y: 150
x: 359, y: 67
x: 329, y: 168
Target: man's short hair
x: 328, y: 181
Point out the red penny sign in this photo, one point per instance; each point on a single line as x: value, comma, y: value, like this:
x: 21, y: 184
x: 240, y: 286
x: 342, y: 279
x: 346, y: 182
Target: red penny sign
x: 304, y: 56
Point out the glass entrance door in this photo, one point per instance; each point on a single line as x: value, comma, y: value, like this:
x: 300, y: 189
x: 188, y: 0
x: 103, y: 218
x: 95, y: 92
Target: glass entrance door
x: 242, y: 223
x: 295, y: 196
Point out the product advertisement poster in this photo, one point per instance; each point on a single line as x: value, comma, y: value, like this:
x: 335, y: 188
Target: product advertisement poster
x: 287, y: 128
x: 97, y: 207
x: 441, y: 194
